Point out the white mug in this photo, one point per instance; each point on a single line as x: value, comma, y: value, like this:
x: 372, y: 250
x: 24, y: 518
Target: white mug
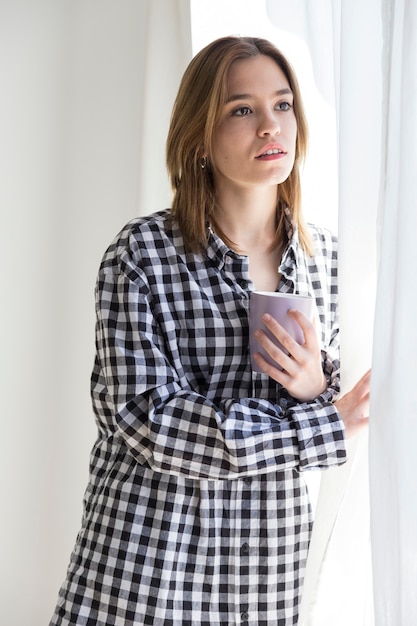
x: 277, y: 305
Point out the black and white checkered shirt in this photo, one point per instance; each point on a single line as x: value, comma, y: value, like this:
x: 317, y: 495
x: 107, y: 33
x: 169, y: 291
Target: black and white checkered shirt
x: 196, y: 512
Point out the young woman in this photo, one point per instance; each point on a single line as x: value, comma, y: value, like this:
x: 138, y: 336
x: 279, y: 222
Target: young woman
x: 196, y: 511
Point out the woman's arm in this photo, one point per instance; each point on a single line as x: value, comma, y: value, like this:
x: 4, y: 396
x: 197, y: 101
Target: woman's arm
x: 304, y: 376
x: 173, y: 429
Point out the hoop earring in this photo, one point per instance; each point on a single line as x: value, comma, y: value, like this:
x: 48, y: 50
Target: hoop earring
x: 203, y: 163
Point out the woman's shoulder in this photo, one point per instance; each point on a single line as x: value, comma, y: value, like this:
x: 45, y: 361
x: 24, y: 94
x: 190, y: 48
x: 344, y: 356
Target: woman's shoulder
x: 324, y: 240
x: 146, y: 228
x: 143, y: 236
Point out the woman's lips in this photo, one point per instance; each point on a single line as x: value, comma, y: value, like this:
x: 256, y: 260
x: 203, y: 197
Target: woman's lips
x: 271, y: 151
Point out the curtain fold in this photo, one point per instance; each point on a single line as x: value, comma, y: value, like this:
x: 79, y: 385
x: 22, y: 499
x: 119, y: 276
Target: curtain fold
x: 375, y: 80
x: 393, y: 430
x: 345, y: 46
x: 339, y: 567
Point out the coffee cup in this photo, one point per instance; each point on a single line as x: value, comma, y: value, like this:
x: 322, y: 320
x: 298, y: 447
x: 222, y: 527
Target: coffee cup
x: 277, y: 305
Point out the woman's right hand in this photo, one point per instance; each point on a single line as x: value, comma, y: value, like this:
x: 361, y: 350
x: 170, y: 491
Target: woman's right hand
x: 354, y: 406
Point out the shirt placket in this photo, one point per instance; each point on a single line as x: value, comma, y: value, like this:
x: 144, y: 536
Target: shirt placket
x: 246, y: 542
x: 236, y: 271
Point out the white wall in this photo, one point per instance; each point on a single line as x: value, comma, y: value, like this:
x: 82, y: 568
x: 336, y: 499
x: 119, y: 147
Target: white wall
x: 71, y: 73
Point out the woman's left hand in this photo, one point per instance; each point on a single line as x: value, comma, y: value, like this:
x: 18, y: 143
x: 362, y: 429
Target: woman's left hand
x: 302, y: 374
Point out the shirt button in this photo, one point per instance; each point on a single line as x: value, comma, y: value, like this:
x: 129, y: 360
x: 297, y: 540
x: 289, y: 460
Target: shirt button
x: 244, y: 548
x: 244, y: 616
x: 247, y: 480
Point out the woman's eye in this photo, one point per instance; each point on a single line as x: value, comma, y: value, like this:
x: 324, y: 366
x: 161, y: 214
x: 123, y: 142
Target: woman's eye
x: 242, y: 111
x: 283, y: 106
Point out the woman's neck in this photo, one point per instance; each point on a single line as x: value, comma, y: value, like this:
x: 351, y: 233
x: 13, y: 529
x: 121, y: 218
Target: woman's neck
x: 248, y: 219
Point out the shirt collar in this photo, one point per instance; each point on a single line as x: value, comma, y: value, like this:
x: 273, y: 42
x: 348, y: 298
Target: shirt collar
x: 294, y: 263
x: 217, y: 250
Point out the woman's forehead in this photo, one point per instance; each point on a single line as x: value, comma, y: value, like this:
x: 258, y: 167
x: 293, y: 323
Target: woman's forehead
x: 259, y: 74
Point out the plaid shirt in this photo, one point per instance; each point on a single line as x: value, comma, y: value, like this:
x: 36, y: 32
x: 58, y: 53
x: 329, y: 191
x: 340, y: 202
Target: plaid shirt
x: 196, y: 512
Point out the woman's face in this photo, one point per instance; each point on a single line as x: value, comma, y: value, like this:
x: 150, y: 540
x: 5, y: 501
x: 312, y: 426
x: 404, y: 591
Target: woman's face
x: 254, y: 142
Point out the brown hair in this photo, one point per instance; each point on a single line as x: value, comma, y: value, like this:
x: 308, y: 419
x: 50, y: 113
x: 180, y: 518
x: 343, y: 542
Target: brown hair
x: 195, y: 115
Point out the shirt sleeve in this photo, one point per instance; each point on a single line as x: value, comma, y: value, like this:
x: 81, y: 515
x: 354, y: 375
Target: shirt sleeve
x: 169, y: 427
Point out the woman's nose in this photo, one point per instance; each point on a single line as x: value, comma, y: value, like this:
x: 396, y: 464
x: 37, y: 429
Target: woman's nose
x: 269, y: 123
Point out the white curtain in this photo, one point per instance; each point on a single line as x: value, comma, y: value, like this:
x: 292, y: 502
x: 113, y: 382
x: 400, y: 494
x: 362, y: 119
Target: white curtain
x: 345, y: 44
x: 365, y: 56
x: 86, y: 91
x: 393, y: 433
x: 340, y: 561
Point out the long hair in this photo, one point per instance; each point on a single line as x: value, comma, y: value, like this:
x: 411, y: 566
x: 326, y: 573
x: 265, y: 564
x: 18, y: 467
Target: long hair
x: 196, y: 113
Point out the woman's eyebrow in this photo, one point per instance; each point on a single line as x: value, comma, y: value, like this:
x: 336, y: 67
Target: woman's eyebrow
x: 248, y: 96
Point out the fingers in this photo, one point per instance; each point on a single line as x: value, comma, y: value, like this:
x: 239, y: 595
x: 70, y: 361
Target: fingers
x: 288, y: 344
x: 354, y: 406
x: 283, y: 336
x: 362, y: 387
x: 309, y: 329
x: 277, y: 372
x: 281, y: 354
x: 297, y: 367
